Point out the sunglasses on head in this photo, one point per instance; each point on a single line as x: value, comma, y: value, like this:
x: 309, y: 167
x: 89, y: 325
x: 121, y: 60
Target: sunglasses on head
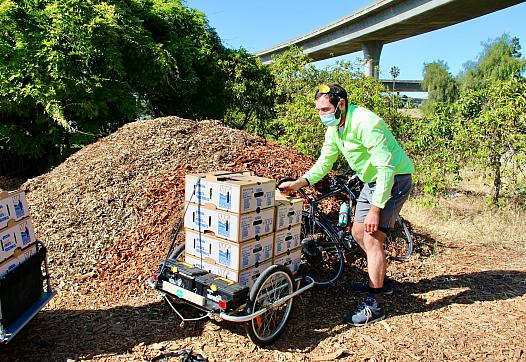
x: 325, y: 89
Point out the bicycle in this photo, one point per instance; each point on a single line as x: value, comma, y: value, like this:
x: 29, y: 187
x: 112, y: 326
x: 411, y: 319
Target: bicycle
x: 323, y: 241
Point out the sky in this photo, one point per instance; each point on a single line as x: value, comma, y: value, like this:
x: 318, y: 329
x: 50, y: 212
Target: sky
x: 259, y: 24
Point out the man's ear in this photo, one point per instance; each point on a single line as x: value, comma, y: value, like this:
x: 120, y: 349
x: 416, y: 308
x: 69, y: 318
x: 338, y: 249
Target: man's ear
x: 338, y: 112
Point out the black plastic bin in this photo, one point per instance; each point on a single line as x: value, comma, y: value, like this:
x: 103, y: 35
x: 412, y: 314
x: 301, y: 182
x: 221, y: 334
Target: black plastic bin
x: 21, y: 287
x: 22, y: 293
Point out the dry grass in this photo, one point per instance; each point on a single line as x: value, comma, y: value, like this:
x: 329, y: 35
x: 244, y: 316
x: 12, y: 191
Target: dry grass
x: 466, y: 216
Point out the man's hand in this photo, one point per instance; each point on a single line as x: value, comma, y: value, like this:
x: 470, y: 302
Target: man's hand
x: 372, y: 220
x: 289, y: 187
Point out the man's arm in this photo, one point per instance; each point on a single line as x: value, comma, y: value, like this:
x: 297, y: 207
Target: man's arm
x: 375, y: 139
x: 328, y: 155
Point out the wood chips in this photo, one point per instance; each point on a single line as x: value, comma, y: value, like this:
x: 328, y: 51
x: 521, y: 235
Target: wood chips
x: 108, y: 214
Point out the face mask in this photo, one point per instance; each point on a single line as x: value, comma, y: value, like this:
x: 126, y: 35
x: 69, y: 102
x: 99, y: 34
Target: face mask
x: 331, y: 119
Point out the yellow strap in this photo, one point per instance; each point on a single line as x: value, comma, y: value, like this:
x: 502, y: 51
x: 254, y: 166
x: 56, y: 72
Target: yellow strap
x: 225, y: 280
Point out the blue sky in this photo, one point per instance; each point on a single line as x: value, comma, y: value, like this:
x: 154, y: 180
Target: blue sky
x: 259, y: 24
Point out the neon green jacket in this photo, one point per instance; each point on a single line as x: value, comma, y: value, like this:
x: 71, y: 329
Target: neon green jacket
x: 370, y: 149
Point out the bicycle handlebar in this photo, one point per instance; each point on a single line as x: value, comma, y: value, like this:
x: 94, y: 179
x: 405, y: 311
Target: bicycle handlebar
x: 348, y: 182
x: 285, y: 179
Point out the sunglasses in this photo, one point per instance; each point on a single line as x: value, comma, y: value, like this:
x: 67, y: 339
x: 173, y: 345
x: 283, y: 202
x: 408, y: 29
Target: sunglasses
x: 325, y: 89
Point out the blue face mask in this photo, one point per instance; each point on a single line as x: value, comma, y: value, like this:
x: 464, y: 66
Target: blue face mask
x: 330, y: 118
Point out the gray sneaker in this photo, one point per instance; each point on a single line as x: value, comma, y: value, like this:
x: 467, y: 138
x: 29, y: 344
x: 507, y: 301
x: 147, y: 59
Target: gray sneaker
x: 368, y: 312
x: 363, y: 286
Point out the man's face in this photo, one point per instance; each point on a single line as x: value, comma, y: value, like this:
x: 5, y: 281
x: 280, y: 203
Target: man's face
x: 324, y: 106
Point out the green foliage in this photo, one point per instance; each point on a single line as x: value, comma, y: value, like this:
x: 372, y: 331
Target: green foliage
x: 74, y: 70
x: 432, y: 144
x: 440, y: 84
x: 251, y: 93
x: 495, y: 133
x: 499, y: 60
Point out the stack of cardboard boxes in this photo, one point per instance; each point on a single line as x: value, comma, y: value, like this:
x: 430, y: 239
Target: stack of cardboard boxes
x: 237, y: 226
x: 17, y: 235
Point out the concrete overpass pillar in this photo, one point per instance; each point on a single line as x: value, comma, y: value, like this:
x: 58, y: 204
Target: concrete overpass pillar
x: 371, y: 51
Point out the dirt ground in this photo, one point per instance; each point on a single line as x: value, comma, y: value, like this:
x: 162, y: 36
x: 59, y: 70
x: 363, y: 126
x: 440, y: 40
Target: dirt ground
x: 465, y: 304
x: 456, y: 299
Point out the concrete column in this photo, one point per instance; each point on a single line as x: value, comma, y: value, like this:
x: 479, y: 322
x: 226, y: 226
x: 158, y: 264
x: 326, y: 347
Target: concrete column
x: 371, y: 52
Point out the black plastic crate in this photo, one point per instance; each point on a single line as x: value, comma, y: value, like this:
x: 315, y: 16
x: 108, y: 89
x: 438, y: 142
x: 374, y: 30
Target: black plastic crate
x: 218, y: 289
x: 22, y: 287
x: 181, y: 274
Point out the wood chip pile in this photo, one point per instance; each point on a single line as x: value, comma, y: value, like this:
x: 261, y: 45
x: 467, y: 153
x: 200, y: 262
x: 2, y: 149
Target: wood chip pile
x: 108, y: 212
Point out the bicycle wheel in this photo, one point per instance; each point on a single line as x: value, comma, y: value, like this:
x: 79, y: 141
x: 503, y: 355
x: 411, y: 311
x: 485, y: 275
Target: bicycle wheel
x: 273, y: 284
x: 322, y: 253
x: 399, y: 242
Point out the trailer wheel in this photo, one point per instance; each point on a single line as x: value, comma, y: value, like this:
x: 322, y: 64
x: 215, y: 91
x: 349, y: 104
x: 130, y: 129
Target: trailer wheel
x: 273, y: 284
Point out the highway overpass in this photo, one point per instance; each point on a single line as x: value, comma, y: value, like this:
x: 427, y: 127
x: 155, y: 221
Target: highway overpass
x: 403, y: 85
x: 382, y: 22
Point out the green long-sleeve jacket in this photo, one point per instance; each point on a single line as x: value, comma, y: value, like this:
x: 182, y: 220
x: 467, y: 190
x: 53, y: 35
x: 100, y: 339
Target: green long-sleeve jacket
x: 370, y: 149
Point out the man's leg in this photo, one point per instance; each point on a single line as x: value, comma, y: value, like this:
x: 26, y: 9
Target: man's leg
x: 376, y: 261
x: 375, y: 257
x: 357, y: 233
x: 370, y: 311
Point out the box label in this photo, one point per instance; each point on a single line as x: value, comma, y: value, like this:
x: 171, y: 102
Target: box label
x: 4, y: 213
x: 225, y: 254
x: 225, y: 197
x: 8, y: 241
x: 223, y: 225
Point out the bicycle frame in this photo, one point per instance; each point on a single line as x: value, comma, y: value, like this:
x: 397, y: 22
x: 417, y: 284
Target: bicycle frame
x: 341, y: 187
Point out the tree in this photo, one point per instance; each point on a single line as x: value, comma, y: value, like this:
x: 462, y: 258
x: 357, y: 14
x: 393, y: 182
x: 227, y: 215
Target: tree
x: 499, y: 60
x: 494, y: 134
x: 440, y: 84
x: 74, y: 70
x: 250, y: 93
x: 395, y: 72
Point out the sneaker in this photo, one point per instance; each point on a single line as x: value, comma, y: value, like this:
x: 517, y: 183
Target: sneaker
x: 368, y: 312
x: 363, y: 286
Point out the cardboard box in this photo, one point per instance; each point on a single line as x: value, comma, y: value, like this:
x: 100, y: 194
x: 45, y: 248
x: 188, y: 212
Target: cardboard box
x: 8, y: 242
x: 235, y: 256
x: 27, y: 253
x: 236, y: 192
x: 245, y: 277
x: 20, y: 235
x: 8, y: 265
x: 17, y: 204
x: 229, y: 226
x: 291, y: 259
x: 287, y: 239
x: 288, y: 211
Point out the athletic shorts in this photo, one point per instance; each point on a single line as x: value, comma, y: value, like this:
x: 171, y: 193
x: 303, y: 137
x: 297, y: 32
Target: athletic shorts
x: 399, y: 194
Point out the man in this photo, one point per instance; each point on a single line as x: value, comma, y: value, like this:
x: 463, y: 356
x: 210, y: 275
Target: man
x: 372, y: 152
